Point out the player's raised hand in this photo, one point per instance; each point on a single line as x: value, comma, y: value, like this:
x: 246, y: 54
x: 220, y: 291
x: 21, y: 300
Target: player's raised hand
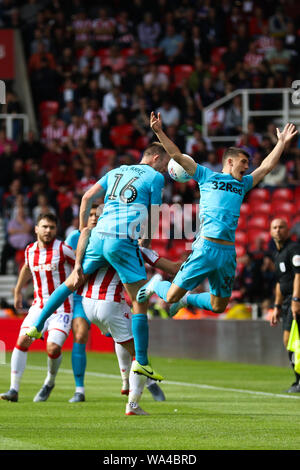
x: 155, y: 122
x: 287, y: 134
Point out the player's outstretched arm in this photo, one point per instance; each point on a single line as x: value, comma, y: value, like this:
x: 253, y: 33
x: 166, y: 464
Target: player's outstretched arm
x: 24, y: 277
x: 272, y: 159
x: 187, y: 163
x: 87, y: 200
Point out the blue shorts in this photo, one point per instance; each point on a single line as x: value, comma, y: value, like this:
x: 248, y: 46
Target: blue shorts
x: 209, y: 260
x: 78, y: 311
x: 122, y: 254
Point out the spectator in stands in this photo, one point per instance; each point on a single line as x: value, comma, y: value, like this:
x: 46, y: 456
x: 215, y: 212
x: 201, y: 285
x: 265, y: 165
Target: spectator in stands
x: 37, y: 59
x: 19, y: 235
x: 196, y: 78
x: 232, y: 57
x: 279, y: 58
x: 257, y: 22
x: 94, y: 110
x: 215, y: 119
x: 74, y: 226
x: 277, y: 177
x: 108, y: 79
x: 206, y: 93
x: 97, y: 134
x: 148, y: 31
x: 89, y: 59
x: 72, y: 210
x: 213, y: 28
x: 155, y: 77
x: 104, y: 28
x: 213, y: 162
x: 121, y: 134
x: 31, y: 147
x: 252, y: 59
x: 82, y: 28
x: 76, y: 130
x: 293, y: 171
x: 278, y: 23
x: 45, y: 82
x: 62, y: 178
x: 195, y: 45
x: 4, y: 141
x: 170, y: 114
x: 111, y: 100
x: 171, y: 46
x: 124, y: 30
x: 66, y: 67
x: 55, y: 130
x: 86, y: 181
x: 115, y: 60
x: 42, y: 207
x: 233, y: 119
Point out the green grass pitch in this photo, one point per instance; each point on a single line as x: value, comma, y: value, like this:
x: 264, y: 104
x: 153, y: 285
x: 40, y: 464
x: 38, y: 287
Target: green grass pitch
x: 210, y: 405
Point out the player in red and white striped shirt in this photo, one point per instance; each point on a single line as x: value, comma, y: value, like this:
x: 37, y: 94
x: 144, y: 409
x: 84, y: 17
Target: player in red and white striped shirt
x: 49, y: 262
x: 104, y: 305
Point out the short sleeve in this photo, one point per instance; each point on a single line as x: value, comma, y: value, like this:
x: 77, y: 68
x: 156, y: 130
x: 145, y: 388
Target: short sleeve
x: 248, y: 182
x: 103, y: 182
x: 295, y: 258
x: 157, y: 186
x: 201, y: 174
x: 69, y: 254
x: 72, y: 239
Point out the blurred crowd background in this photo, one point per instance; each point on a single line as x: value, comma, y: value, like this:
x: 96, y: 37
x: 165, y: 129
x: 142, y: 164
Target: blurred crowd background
x: 98, y: 69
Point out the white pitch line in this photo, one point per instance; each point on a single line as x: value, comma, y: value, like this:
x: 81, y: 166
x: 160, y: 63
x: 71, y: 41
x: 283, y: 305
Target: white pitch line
x: 183, y: 384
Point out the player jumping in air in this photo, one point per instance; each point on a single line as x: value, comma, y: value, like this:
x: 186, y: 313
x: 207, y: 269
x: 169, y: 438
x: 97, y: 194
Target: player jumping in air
x: 213, y: 252
x: 129, y: 192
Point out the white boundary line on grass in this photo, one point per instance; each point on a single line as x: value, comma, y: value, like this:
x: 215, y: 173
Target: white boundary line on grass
x: 182, y: 384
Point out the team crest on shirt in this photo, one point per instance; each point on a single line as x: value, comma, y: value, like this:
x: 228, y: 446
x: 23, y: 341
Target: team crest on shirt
x: 296, y: 261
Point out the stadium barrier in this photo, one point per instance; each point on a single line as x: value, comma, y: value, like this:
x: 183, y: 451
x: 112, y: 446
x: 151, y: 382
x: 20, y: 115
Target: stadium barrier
x: 246, y: 341
x: 9, y: 330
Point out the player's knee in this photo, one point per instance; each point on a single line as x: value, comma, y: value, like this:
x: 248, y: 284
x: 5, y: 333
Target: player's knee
x: 81, y: 336
x: 24, y: 342
x: 53, y: 350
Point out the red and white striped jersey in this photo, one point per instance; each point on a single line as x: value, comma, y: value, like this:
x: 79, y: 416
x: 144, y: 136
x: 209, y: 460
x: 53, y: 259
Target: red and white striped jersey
x: 50, y: 267
x: 53, y: 133
x: 105, y: 283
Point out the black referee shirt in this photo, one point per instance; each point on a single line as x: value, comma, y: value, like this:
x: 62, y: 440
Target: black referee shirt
x: 287, y: 264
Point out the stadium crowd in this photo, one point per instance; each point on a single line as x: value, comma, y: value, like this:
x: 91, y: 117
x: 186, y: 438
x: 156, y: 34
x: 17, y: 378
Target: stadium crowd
x: 96, y: 72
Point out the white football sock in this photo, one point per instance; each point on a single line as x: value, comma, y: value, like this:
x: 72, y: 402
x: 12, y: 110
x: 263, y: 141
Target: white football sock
x: 53, y: 366
x: 125, y: 361
x: 17, y: 366
x: 137, y: 384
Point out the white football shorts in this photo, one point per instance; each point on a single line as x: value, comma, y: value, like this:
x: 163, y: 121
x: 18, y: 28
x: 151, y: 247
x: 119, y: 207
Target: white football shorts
x: 110, y: 317
x: 58, y: 325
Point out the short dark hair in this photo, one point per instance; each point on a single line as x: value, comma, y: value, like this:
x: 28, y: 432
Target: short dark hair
x: 153, y: 148
x: 234, y: 152
x: 48, y: 216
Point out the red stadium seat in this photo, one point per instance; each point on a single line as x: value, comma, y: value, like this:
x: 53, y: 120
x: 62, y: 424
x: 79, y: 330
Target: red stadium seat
x: 141, y: 142
x: 103, y: 52
x: 241, y: 237
x: 283, y: 216
x: 135, y: 153
x: 164, y: 69
x: 128, y: 51
x: 152, y: 53
x: 47, y: 109
x: 242, y: 224
x: 240, y: 250
x: 254, y: 234
x: 102, y: 156
x: 259, y: 207
x: 283, y: 207
x: 297, y: 194
x: 285, y: 194
x: 260, y: 221
x: 181, y: 72
x: 245, y: 209
x: 259, y: 193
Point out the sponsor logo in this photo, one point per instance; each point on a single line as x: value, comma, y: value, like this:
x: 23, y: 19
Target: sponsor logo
x: 45, y: 267
x: 229, y: 187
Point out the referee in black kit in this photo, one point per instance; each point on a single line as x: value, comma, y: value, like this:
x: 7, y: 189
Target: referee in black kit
x: 287, y: 292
